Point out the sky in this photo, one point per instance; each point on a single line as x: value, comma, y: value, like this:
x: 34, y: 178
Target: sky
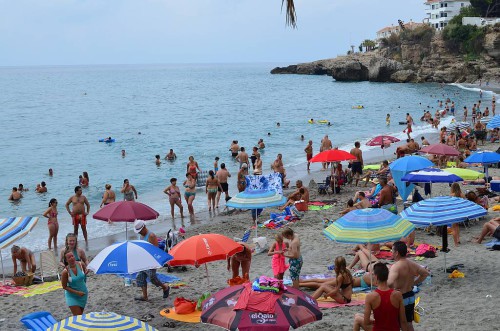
x: 74, y: 32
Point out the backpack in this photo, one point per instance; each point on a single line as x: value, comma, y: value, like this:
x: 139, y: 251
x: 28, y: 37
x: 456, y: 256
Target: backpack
x: 184, y: 306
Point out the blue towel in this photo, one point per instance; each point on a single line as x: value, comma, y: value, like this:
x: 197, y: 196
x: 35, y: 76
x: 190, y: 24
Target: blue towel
x: 493, y: 244
x: 162, y: 277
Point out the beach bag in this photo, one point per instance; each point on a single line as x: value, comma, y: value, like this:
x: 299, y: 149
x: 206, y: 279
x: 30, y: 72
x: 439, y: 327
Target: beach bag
x: 184, y: 306
x: 426, y: 250
x: 203, y: 297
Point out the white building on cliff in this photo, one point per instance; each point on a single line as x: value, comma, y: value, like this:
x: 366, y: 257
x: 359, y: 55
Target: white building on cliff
x: 440, y: 12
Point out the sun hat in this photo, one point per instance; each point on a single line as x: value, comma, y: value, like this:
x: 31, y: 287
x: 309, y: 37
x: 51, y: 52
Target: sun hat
x: 138, y: 226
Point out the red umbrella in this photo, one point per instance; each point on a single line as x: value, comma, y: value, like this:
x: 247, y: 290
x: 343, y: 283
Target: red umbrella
x: 382, y: 141
x: 333, y: 155
x: 440, y: 149
x: 292, y: 308
x: 126, y: 211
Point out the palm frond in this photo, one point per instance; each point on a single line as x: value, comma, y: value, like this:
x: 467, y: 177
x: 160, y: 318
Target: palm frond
x: 291, y: 15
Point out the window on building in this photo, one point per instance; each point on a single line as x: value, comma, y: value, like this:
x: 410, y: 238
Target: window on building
x: 446, y: 4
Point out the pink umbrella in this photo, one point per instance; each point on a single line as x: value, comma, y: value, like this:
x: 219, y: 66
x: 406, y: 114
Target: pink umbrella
x: 382, y: 140
x: 126, y: 211
x: 440, y: 149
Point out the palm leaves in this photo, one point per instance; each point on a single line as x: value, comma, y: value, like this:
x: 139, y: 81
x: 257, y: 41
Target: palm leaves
x: 291, y: 15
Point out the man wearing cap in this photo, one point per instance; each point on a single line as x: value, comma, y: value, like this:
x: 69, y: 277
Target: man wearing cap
x: 146, y: 235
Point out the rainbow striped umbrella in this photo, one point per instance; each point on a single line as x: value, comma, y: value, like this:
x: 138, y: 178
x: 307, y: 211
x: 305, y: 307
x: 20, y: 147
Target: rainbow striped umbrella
x: 101, y: 321
x: 368, y: 226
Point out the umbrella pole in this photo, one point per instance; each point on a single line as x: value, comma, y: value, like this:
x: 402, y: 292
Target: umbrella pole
x: 206, y: 270
x: 3, y: 271
x: 371, y: 273
x: 126, y: 231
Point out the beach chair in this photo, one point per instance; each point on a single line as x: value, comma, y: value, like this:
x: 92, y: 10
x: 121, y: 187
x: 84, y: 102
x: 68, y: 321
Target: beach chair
x: 246, y: 236
x: 38, y: 321
x: 48, y: 265
x: 323, y: 187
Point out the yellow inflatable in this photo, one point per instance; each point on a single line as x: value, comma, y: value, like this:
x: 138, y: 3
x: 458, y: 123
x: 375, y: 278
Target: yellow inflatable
x: 358, y: 107
x: 322, y: 121
x: 318, y: 122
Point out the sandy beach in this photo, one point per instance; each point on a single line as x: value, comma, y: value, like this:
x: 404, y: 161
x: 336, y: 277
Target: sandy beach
x: 450, y: 304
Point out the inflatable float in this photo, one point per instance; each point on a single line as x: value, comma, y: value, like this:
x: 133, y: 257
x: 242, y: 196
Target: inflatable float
x: 318, y: 122
x: 358, y: 107
x: 107, y: 140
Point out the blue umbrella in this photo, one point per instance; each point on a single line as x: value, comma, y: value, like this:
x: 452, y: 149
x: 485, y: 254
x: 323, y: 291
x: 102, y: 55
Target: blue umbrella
x: 494, y: 123
x: 129, y: 257
x: 483, y: 157
x: 431, y: 175
x: 404, y: 165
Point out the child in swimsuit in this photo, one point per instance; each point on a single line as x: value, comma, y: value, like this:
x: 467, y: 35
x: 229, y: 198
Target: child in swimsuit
x: 278, y: 263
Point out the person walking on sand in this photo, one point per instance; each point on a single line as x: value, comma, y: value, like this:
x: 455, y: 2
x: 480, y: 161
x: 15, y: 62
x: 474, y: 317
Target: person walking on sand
x: 190, y: 192
x: 52, y: 224
x: 174, y: 197
x: 146, y: 235
x: 74, y: 283
x: 222, y: 175
x: 385, y: 303
x: 108, y: 197
x: 293, y: 254
x: 211, y: 188
x: 79, y: 213
x: 404, y: 274
x: 128, y: 191
x: 357, y: 165
x: 309, y: 153
x: 277, y: 251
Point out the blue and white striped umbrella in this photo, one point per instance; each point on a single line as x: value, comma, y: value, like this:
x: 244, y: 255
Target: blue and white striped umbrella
x: 431, y: 175
x: 256, y: 199
x: 494, y: 123
x: 460, y: 125
x: 442, y: 211
x: 129, y: 257
x: 483, y: 157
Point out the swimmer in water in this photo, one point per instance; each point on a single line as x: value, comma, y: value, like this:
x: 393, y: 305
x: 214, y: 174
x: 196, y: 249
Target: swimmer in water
x: 269, y: 133
x: 278, y: 124
x: 388, y: 119
x: 302, y: 137
x: 310, y: 121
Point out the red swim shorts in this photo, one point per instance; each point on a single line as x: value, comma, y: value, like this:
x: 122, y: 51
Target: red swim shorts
x: 80, y: 219
x: 309, y: 156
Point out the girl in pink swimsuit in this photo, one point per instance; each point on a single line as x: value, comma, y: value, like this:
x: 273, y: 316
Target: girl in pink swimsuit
x: 52, y: 224
x: 278, y: 262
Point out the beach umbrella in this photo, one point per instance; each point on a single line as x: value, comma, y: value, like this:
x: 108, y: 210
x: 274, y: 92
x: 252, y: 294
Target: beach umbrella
x: 460, y: 125
x: 431, y: 175
x: 494, y: 123
x: 442, y: 211
x: 13, y: 229
x: 382, y: 140
x: 440, y: 149
x: 204, y: 248
x: 485, y: 158
x: 101, y: 321
x: 404, y: 165
x: 292, y: 308
x: 128, y: 257
x: 333, y: 155
x: 126, y: 211
x: 256, y: 199
x: 465, y: 174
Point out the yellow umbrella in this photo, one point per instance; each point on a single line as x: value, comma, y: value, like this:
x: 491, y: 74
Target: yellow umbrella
x: 466, y: 174
x: 101, y: 321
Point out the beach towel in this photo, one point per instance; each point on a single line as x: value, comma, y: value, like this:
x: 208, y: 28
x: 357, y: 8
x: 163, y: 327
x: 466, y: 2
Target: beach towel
x: 384, y: 255
x: 162, y: 277
x: 271, y: 182
x: 357, y: 299
x: 9, y: 289
x: 43, y: 288
x: 194, y: 317
x: 316, y: 207
x: 493, y: 244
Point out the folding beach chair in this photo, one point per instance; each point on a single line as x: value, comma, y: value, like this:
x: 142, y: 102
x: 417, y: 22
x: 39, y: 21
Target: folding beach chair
x: 323, y: 187
x: 48, y: 265
x: 38, y: 321
x: 246, y: 236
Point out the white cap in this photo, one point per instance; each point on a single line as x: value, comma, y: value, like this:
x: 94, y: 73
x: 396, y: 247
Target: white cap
x: 138, y: 226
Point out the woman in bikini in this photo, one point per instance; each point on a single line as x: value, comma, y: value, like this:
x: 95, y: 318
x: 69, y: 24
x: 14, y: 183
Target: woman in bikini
x: 342, y: 290
x: 211, y: 189
x: 192, y: 168
x: 364, y: 257
x: 85, y: 180
x: 71, y: 245
x: 190, y: 192
x: 174, y: 197
x: 242, y: 183
x: 52, y: 224
x: 108, y: 196
x: 258, y: 165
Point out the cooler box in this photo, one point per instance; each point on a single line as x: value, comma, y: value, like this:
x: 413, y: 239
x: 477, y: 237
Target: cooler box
x: 495, y: 185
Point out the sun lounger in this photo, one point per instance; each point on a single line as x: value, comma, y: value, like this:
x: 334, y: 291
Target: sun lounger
x: 48, y: 265
x: 38, y: 321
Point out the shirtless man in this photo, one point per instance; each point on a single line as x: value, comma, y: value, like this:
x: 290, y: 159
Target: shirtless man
x: 326, y: 144
x: 234, y: 148
x: 293, y: 254
x: 222, y: 175
x: 357, y: 165
x: 461, y: 144
x: 409, y: 123
x: 171, y: 156
x: 242, y: 157
x: 465, y: 113
x: 385, y: 199
x: 278, y: 167
x: 261, y: 144
x: 451, y: 140
x: 79, y: 213
x: 402, y: 278
x: 363, y: 202
x: 425, y: 142
x: 305, y: 195
x: 25, y: 256
x: 15, y: 195
x: 412, y: 146
x: 309, y: 153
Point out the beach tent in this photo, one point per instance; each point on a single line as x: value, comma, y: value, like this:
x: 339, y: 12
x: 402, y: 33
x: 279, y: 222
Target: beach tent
x: 13, y: 229
x: 404, y: 165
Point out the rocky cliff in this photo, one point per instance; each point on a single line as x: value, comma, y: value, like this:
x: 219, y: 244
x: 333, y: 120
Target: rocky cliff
x: 412, y: 62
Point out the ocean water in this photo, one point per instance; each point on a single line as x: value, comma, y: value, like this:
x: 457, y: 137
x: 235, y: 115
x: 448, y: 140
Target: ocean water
x: 52, y: 117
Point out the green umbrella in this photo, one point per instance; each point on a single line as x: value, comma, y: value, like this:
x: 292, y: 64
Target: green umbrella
x: 466, y: 174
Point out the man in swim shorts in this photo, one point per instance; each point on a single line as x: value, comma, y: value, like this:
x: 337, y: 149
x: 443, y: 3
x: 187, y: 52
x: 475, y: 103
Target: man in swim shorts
x: 234, y: 148
x: 79, y: 214
x: 309, y: 153
x: 357, y: 165
x: 294, y: 256
x: 222, y: 175
x: 403, y: 275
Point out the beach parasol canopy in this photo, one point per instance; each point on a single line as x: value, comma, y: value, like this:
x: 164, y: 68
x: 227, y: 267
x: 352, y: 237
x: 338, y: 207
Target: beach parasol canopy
x: 126, y: 211
x: 431, y: 175
x: 483, y: 157
x: 333, y: 155
x: 368, y: 226
x: 292, y: 308
x: 404, y: 165
x: 494, y: 123
x: 465, y: 174
x: 460, y: 125
x: 382, y: 140
x: 101, y: 321
x: 440, y: 149
x: 256, y: 199
x: 128, y: 257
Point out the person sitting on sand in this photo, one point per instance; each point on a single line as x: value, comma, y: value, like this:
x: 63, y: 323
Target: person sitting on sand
x: 387, y: 306
x: 25, y: 256
x: 364, y: 257
x: 350, y: 207
x: 293, y: 198
x: 363, y: 202
x: 71, y: 245
x: 490, y: 228
x: 365, y: 281
x: 482, y: 201
x: 15, y: 195
x: 342, y: 291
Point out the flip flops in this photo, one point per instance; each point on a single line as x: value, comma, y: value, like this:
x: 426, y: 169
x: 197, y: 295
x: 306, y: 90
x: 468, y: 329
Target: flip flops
x: 147, y: 317
x: 169, y: 325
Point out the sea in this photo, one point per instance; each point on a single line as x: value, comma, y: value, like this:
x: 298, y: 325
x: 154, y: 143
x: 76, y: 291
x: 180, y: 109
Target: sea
x: 54, y: 116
